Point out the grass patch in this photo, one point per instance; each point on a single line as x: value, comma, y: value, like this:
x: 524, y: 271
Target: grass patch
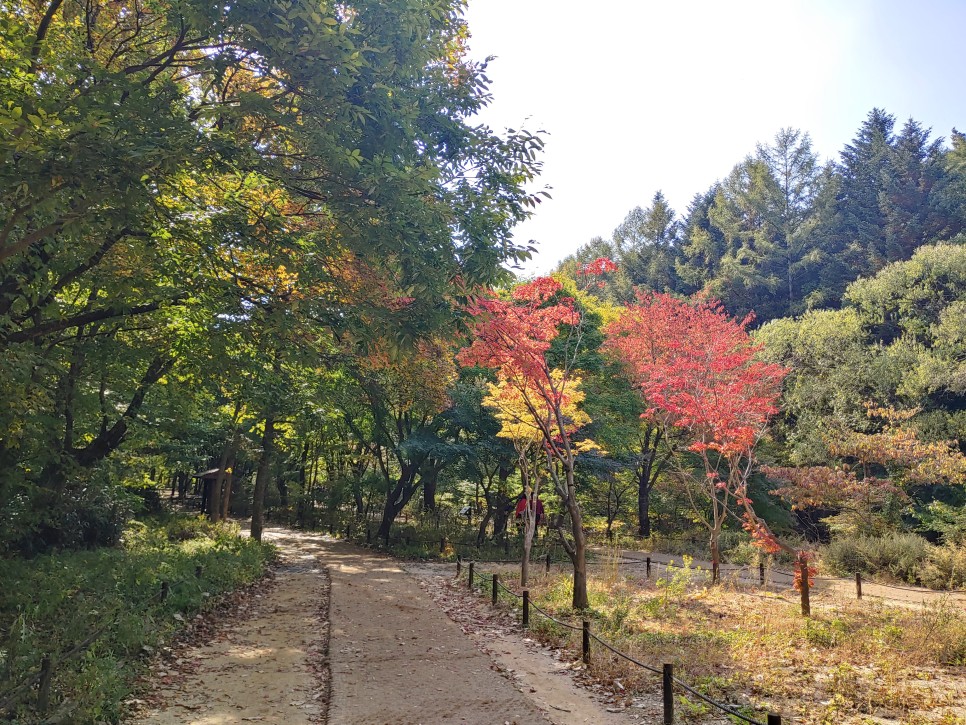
x: 852, y: 663
x: 51, y: 604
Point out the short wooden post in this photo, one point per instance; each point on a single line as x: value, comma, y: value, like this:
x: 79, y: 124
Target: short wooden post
x: 368, y: 535
x: 526, y: 609
x: 548, y: 562
x: 459, y: 566
x: 648, y: 560
x: 668, y: 691
x: 470, y: 585
x: 586, y: 642
x: 496, y: 584
x: 803, y: 574
x: 43, y: 692
x: 165, y: 590
x: 761, y: 573
x: 442, y: 544
x: 199, y: 570
x: 858, y: 585
x: 774, y: 719
x: 348, y: 531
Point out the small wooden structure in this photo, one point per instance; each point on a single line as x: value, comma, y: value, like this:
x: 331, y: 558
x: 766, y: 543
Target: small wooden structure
x: 207, y: 479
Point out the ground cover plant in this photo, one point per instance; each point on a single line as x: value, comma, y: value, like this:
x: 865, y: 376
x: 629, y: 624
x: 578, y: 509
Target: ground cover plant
x: 96, y: 613
x: 851, y: 662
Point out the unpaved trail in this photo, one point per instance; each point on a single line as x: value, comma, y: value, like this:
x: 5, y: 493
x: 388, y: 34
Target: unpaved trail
x: 260, y: 668
x: 394, y: 656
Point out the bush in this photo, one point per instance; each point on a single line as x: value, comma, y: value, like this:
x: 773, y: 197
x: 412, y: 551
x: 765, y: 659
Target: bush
x: 945, y: 568
x: 896, y: 556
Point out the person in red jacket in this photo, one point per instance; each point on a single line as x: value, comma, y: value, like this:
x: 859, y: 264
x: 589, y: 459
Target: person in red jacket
x: 522, y: 507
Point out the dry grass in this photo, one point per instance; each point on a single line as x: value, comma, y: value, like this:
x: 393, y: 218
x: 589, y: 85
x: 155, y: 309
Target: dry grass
x: 851, y: 662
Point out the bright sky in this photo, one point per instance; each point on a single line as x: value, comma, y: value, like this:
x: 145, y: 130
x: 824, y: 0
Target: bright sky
x: 647, y: 95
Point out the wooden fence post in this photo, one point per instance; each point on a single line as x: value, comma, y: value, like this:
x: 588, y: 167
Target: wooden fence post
x: 43, y: 692
x: 548, y: 562
x: 526, y: 609
x: 470, y: 584
x: 368, y: 535
x: 761, y: 573
x: 496, y: 584
x: 803, y: 574
x: 858, y: 585
x: 586, y: 642
x: 668, y: 691
x: 459, y: 565
x: 442, y: 544
x: 648, y: 567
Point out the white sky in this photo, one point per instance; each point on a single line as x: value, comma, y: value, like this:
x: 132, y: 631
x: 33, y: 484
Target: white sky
x: 640, y: 96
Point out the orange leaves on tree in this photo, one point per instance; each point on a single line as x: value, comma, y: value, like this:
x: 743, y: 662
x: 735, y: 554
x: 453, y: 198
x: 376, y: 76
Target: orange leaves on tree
x: 598, y: 267
x: 854, y: 486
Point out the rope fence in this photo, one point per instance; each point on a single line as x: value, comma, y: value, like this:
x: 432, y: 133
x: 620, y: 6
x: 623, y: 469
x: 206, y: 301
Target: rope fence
x: 669, y: 681
x: 737, y: 574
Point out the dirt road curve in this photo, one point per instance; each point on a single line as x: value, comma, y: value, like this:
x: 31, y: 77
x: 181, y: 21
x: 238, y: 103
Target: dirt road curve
x: 395, y: 656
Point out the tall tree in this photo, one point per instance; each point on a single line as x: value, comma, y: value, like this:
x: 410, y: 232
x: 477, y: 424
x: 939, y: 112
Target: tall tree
x: 515, y: 338
x: 696, y: 370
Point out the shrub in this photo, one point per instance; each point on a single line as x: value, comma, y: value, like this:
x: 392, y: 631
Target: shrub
x: 945, y: 568
x: 895, y: 556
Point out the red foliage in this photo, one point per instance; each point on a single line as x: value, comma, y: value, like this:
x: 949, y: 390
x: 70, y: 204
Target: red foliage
x: 695, y: 367
x: 513, y: 337
x: 598, y: 267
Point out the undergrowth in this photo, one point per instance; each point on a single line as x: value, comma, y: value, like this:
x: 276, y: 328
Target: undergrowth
x: 848, y: 663
x: 52, y: 604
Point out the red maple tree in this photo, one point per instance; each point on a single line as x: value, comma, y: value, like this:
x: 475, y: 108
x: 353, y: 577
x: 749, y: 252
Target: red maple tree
x: 514, y: 336
x: 696, y: 369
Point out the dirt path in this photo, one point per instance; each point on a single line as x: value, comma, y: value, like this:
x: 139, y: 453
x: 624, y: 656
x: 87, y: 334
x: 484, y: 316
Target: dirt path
x: 260, y: 668
x: 398, y: 654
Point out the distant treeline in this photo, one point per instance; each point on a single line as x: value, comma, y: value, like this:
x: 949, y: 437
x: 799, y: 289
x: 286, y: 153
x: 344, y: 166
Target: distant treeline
x: 783, y: 234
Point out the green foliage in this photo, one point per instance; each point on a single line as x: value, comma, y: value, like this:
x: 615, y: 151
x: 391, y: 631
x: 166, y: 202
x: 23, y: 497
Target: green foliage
x: 54, y: 602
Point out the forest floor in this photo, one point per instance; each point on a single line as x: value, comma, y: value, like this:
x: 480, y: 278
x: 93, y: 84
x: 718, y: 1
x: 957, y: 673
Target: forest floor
x: 402, y: 645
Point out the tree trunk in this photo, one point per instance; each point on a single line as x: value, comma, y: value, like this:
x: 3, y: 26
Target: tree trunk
x: 397, y: 498
x: 715, y: 556
x: 262, y: 475
x: 581, y: 599
x: 226, y: 454
x: 429, y: 490
x: 577, y: 550
x: 644, y: 507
